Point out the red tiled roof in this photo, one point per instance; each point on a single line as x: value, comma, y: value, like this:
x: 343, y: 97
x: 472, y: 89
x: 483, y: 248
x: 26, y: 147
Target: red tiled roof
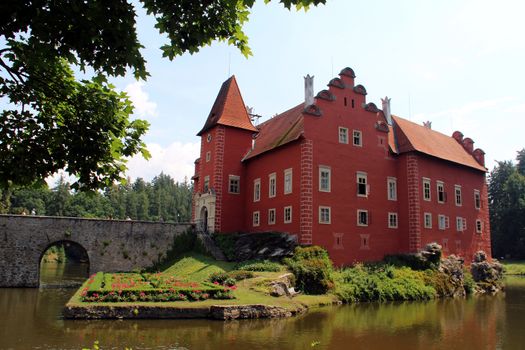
x: 280, y: 130
x: 415, y: 137
x: 228, y: 109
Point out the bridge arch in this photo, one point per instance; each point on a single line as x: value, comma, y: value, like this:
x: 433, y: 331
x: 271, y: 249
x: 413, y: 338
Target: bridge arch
x: 74, y: 254
x: 110, y: 245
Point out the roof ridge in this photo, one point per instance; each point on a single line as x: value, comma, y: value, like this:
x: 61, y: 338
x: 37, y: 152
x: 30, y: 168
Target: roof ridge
x: 278, y: 115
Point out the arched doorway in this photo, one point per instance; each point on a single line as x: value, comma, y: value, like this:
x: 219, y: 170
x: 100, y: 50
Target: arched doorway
x: 204, y: 219
x: 63, y: 264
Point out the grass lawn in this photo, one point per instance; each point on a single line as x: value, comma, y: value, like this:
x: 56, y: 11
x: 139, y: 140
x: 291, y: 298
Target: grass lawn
x: 197, y: 268
x: 514, y: 267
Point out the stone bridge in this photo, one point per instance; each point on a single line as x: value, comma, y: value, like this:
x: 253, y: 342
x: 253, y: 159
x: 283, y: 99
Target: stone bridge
x: 111, y: 245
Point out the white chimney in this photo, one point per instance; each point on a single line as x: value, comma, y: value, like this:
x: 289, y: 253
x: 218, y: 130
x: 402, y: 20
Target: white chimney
x: 386, y: 109
x: 308, y: 90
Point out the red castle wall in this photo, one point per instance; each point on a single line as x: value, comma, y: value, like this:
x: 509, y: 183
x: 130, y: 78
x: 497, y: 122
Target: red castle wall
x: 346, y: 241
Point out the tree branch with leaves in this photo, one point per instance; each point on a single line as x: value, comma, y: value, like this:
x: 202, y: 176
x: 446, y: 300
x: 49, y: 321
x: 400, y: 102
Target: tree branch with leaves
x: 54, y: 121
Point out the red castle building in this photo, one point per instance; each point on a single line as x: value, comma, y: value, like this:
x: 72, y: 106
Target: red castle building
x: 340, y: 173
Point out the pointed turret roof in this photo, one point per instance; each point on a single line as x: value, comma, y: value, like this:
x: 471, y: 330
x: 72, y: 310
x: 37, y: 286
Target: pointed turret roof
x: 228, y: 109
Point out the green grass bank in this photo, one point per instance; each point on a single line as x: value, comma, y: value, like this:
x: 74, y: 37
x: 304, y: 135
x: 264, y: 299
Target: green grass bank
x: 197, y: 286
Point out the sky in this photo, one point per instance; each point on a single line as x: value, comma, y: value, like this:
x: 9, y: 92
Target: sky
x: 458, y: 64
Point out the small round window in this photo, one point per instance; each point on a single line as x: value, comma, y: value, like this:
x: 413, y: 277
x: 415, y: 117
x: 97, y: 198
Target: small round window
x: 208, y: 138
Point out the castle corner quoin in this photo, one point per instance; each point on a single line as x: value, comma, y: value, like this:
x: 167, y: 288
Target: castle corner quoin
x: 341, y: 173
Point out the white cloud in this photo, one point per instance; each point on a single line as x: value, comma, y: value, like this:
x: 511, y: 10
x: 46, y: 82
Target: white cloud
x: 144, y: 107
x: 176, y: 160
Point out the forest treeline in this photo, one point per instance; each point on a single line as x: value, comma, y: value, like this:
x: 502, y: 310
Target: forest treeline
x: 507, y: 208
x: 162, y: 199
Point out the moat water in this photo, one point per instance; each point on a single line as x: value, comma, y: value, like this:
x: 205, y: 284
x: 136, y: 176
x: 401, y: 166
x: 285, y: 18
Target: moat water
x: 31, y: 319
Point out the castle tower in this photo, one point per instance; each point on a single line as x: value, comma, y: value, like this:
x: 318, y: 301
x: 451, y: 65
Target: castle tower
x: 218, y: 180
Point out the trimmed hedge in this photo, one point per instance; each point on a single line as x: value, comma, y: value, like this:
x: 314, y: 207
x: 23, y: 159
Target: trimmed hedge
x: 259, y: 265
x: 106, y: 287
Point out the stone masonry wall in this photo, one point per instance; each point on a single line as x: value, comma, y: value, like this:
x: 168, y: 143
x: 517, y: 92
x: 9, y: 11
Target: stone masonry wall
x: 111, y: 245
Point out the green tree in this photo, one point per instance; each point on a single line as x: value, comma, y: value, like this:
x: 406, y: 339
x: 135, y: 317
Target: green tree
x: 521, y: 161
x: 56, y: 122
x: 30, y: 200
x: 507, y: 210
x: 59, y: 198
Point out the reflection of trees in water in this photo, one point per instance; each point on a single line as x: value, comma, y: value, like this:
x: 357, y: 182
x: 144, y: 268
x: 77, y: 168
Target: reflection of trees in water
x: 64, y: 263
x: 432, y: 325
x: 64, y: 251
x: 474, y: 323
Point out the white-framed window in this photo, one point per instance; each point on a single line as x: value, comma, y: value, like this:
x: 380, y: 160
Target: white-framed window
x: 362, y: 217
x: 234, y: 184
x: 362, y: 185
x: 426, y: 189
x: 440, y: 191
x: 479, y: 226
x: 208, y: 138
x: 457, y: 195
x: 206, y: 183
x: 391, y: 184
x: 256, y: 218
x: 477, y: 199
x: 324, y: 215
x: 343, y: 135
x: 288, y: 181
x: 392, y: 220
x: 256, y: 190
x: 208, y: 156
x: 325, y: 181
x: 271, y: 216
x: 427, y: 219
x: 461, y: 224
x: 357, y: 138
x: 272, y: 185
x: 288, y: 214
x: 443, y: 222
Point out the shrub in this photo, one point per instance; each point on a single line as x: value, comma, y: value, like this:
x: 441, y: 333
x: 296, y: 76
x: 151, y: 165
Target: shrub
x: 312, y: 268
x: 469, y: 284
x: 381, y: 283
x: 218, y: 277
x: 240, y: 275
x: 259, y: 265
x: 229, y: 282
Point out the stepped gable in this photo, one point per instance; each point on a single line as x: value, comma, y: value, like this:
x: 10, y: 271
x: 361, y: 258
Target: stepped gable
x: 228, y: 109
x: 280, y: 130
x: 414, y: 137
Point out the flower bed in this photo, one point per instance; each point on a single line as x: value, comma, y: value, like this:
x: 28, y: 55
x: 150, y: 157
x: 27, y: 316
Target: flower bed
x: 133, y: 287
